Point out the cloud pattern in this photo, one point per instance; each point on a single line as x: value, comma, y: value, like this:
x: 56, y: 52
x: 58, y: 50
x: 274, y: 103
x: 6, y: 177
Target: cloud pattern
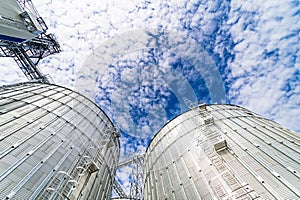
x: 253, y: 46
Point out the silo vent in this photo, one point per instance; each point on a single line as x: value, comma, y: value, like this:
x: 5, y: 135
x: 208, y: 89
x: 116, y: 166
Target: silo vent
x: 220, y: 146
x: 208, y: 120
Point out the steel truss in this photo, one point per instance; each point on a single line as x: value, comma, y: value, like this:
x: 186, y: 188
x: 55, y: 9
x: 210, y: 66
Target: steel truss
x: 136, y: 187
x: 28, y: 54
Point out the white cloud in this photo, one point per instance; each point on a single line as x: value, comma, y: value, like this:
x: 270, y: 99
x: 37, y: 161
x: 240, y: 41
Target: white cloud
x: 10, y: 72
x: 265, y: 37
x: 264, y: 62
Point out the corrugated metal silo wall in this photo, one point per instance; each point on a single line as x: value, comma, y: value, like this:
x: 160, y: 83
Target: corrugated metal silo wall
x: 54, y: 144
x: 222, y: 152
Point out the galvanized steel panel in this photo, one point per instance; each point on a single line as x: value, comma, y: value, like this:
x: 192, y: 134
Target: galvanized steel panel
x: 261, y: 158
x: 49, y: 141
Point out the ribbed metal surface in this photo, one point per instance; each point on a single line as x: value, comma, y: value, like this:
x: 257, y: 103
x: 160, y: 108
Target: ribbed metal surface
x: 222, y: 152
x: 54, y: 144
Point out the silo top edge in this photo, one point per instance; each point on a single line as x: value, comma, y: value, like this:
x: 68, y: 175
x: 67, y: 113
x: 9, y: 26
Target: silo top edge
x: 39, y: 82
x: 180, y: 115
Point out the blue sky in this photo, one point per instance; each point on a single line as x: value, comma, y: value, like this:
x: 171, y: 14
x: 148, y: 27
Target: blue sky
x: 140, y: 59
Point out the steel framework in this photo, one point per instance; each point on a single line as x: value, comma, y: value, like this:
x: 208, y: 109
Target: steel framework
x: 27, y: 54
x: 136, y: 185
x: 136, y: 188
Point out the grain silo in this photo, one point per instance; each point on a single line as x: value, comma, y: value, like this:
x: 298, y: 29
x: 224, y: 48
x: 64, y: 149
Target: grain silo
x: 54, y: 144
x: 222, y: 152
